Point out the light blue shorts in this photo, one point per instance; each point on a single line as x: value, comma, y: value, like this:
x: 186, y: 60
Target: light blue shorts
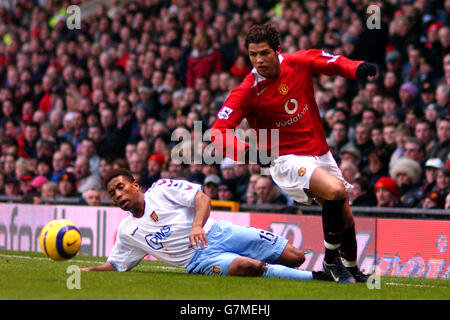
x: 227, y: 242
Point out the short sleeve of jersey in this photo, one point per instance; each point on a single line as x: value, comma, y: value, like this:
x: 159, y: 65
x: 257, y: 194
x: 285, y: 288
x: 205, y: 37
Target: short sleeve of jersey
x: 123, y: 256
x: 181, y: 192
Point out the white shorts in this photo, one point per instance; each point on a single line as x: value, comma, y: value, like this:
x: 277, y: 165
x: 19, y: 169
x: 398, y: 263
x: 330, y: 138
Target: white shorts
x: 292, y: 173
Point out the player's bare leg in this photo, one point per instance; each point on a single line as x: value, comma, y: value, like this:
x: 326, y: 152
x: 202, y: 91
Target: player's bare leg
x: 248, y: 267
x: 291, y: 257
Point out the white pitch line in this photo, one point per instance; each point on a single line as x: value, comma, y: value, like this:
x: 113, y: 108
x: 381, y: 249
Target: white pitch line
x: 409, y: 285
x: 87, y: 262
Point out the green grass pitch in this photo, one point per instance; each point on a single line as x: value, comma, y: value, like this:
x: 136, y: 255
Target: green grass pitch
x: 30, y: 276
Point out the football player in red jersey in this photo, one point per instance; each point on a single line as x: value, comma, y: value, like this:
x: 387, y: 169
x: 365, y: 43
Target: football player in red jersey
x: 278, y: 94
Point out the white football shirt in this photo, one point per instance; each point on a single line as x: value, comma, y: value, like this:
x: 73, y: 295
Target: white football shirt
x: 163, y: 230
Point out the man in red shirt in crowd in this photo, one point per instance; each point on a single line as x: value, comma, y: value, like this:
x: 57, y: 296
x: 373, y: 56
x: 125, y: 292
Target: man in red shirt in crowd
x: 278, y: 94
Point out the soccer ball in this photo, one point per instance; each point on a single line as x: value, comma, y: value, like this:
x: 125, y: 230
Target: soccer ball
x: 60, y: 240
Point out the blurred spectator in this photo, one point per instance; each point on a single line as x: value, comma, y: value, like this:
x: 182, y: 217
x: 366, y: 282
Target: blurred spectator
x: 431, y: 169
x: 69, y: 152
x: 37, y: 183
x: 27, y: 141
x: 443, y: 181
x: 143, y: 149
x: 268, y: 192
x: 361, y: 194
x: 432, y: 200
x: 376, y: 135
x: 442, y: 97
x: 401, y: 134
x: 137, y: 166
x: 130, y: 149
x: 155, y: 163
x: 59, y: 166
x: 242, y: 178
x: 424, y: 132
x: 378, y: 166
x: 44, y: 167
x: 393, y: 61
x: 9, y: 165
x: 12, y: 187
x: 250, y: 193
x: 427, y: 93
x: 49, y: 191
x: 349, y: 170
x: 351, y: 154
x: 177, y: 170
x: 204, y: 59
x: 407, y: 174
x: 227, y: 191
x: 227, y: 169
x: 211, y: 186
x: 45, y: 148
x: 408, y: 94
x: 85, y: 179
x: 339, y: 135
x: 386, y: 193
x: 414, y: 149
x: 443, y: 138
x: 363, y: 142
x: 88, y: 149
x: 27, y: 191
x: 67, y: 185
x: 78, y: 129
x: 91, y: 197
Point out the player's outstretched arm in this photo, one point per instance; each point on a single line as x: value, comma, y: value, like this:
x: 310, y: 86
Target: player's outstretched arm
x: 197, y: 237
x: 107, y: 266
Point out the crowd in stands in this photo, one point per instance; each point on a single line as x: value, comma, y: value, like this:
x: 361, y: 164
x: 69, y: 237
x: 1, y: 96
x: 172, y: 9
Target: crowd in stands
x: 114, y: 93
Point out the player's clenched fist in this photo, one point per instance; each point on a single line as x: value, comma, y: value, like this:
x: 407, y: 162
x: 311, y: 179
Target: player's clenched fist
x: 365, y: 69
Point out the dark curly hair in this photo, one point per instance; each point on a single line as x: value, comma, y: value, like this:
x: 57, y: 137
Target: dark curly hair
x: 263, y: 33
x: 118, y: 172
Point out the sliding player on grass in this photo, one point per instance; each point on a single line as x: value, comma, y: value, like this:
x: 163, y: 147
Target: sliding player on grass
x: 170, y: 221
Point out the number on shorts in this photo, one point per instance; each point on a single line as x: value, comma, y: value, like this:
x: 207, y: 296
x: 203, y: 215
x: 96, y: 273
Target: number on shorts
x: 266, y: 235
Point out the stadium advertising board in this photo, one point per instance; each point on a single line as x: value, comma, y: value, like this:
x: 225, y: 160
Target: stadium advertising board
x: 400, y: 247
x: 413, y: 248
x: 306, y: 233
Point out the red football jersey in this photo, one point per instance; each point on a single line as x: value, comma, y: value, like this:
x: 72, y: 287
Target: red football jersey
x: 285, y: 103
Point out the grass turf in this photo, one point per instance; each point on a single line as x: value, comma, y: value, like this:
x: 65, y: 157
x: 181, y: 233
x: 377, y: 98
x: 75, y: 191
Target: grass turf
x: 32, y: 276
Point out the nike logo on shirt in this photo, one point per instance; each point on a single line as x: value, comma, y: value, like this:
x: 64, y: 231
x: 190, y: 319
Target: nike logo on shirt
x: 259, y: 93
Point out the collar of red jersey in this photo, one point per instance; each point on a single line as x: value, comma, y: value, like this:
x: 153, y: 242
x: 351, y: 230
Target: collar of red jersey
x: 258, y: 77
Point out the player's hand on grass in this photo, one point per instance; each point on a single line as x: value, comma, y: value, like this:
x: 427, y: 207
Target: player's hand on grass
x: 197, y: 237
x: 85, y: 269
x: 365, y: 70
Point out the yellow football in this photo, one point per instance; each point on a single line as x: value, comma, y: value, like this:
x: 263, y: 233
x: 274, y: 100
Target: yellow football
x: 60, y: 240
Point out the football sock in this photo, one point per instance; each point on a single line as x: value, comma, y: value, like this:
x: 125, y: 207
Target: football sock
x: 280, y: 271
x: 333, y: 227
x: 331, y: 252
x: 349, y: 247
